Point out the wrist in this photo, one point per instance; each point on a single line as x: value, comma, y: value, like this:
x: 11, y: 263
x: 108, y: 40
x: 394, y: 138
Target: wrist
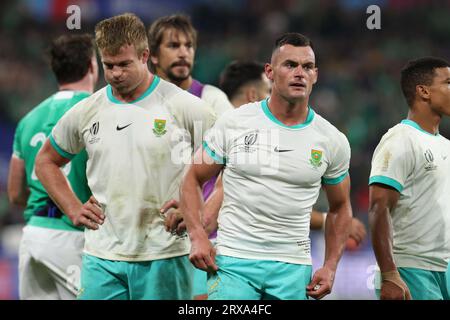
x: 198, y: 234
x: 390, y: 275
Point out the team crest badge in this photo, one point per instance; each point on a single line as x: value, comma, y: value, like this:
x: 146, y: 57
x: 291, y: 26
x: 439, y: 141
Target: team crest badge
x: 159, y: 127
x: 316, y: 158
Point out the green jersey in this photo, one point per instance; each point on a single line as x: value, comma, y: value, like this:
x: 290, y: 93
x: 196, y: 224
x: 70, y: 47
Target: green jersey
x: 31, y: 133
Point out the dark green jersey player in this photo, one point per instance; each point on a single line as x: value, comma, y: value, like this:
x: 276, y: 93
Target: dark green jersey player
x: 51, y: 246
x: 31, y: 133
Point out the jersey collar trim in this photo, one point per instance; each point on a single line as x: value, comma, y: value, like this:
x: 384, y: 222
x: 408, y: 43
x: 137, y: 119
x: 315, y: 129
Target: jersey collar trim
x: 416, y: 126
x: 268, y: 113
x: 150, y: 89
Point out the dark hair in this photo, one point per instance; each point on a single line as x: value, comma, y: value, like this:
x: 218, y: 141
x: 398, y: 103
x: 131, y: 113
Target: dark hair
x: 239, y: 73
x: 70, y: 57
x: 293, y: 38
x: 419, y: 72
x: 179, y: 22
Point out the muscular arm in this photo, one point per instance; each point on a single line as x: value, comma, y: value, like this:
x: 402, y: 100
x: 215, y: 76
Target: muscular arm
x: 18, y: 191
x: 337, y: 229
x: 212, y: 207
x: 382, y: 200
x: 202, y: 255
x: 338, y: 224
x: 48, y: 163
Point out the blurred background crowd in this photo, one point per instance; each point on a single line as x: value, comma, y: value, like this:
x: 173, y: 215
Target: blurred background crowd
x: 358, y: 88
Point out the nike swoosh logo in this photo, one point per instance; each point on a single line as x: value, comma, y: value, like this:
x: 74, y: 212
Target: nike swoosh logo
x: 120, y: 128
x: 281, y: 150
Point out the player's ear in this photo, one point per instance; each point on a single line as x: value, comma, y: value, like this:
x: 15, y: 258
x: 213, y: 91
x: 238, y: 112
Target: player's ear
x: 268, y: 70
x: 423, y: 92
x: 316, y: 75
x: 154, y: 58
x: 145, y: 55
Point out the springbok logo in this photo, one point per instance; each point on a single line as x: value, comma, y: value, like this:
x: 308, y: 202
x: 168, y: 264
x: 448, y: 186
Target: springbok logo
x: 316, y: 158
x: 159, y: 127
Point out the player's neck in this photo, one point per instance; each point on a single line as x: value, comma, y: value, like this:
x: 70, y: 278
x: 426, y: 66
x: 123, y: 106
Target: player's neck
x: 425, y: 118
x: 239, y: 100
x: 85, y: 84
x: 138, y: 92
x: 184, y: 84
x: 289, y: 113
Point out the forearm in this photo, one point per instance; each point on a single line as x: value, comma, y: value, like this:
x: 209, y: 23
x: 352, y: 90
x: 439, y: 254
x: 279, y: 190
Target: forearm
x: 381, y: 230
x: 337, y: 229
x: 57, y: 186
x: 191, y: 206
x: 211, y: 210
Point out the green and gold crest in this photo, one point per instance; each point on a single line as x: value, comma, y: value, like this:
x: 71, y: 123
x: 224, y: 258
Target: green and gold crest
x: 316, y: 158
x: 159, y: 127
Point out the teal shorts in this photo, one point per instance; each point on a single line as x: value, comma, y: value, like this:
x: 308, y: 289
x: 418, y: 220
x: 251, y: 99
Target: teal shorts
x: 200, y: 279
x: 423, y: 284
x: 164, y: 279
x: 447, y: 277
x: 248, y: 279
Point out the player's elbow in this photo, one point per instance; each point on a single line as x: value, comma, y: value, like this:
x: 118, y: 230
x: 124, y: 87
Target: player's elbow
x: 15, y: 198
x: 40, y: 164
x: 18, y: 197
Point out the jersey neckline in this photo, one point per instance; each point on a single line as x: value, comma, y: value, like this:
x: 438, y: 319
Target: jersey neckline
x: 149, y: 90
x: 416, y: 126
x: 269, y: 114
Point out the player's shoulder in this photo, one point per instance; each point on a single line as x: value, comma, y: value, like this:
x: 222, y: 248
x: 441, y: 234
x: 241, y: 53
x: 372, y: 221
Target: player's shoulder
x: 325, y: 127
x: 399, y: 132
x: 210, y: 91
x: 217, y: 99
x: 38, y: 111
x: 89, y: 103
x: 170, y: 92
x: 247, y: 110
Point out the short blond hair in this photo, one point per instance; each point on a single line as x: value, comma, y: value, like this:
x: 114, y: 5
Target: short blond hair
x: 125, y: 29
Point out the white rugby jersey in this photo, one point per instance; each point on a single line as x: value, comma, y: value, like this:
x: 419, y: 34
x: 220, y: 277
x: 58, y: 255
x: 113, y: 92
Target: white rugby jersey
x: 417, y: 164
x: 272, y: 178
x: 217, y: 99
x: 137, y: 153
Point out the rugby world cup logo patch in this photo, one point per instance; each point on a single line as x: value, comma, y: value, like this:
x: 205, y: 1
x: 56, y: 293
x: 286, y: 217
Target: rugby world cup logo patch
x: 250, y: 140
x: 93, y: 132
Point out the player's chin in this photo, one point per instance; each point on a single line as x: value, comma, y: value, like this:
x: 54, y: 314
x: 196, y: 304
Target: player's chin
x: 181, y: 72
x: 298, y: 92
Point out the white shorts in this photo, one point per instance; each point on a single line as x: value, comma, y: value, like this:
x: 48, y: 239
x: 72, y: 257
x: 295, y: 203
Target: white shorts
x: 49, y: 263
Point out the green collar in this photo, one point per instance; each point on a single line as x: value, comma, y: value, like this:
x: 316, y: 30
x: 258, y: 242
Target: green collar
x: 268, y: 113
x: 150, y: 89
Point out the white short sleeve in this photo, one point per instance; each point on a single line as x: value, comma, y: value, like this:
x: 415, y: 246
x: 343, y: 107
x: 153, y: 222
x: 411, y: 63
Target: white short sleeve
x: 66, y: 137
x: 215, y: 140
x: 340, y: 161
x: 392, y: 161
